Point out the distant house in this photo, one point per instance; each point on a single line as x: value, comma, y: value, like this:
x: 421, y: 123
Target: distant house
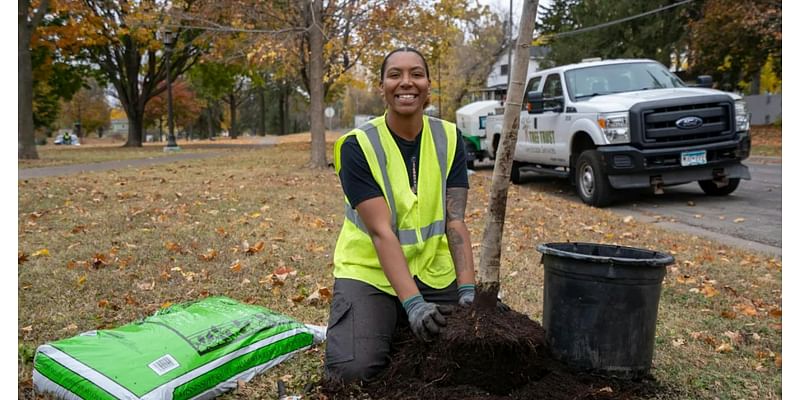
x: 497, y: 80
x: 119, y: 123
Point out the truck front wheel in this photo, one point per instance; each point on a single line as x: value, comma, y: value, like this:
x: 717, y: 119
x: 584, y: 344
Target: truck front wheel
x: 710, y: 188
x: 592, y: 184
x: 515, y: 172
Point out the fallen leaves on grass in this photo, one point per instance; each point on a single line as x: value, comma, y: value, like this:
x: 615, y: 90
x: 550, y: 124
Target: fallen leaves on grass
x: 21, y: 257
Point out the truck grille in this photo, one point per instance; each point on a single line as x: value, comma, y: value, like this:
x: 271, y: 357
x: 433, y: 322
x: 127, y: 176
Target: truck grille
x: 660, y: 126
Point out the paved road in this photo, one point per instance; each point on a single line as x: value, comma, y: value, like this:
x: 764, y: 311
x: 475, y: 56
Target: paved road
x: 750, y: 217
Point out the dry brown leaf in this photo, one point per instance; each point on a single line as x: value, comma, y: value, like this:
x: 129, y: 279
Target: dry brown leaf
x: 724, y: 348
x: 775, y: 312
x: 747, y: 309
x: 325, y: 294
x: 728, y: 314
x: 99, y: 260
x: 236, y: 266
x: 709, y: 291
x: 209, y: 255
x: 253, y: 249
x: 82, y: 280
x: 166, y: 304
x: 221, y: 231
x: 28, y: 328
x: 298, y: 298
x: 778, y: 360
x: 21, y: 257
x: 102, y: 303
x: 172, y: 246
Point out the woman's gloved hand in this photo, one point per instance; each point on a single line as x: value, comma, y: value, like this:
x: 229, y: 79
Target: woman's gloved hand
x: 466, y: 294
x: 426, y: 319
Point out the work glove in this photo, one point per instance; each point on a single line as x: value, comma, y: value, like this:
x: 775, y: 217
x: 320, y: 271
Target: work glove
x: 425, y: 318
x: 466, y: 295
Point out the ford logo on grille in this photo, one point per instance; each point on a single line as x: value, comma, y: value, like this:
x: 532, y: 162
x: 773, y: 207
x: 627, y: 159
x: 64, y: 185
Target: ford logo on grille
x: 689, y: 122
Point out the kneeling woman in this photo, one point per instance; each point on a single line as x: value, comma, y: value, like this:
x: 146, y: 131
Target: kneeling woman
x: 404, y: 248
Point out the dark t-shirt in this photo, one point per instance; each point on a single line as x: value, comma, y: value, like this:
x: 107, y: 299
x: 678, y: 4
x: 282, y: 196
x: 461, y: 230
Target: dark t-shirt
x: 359, y: 184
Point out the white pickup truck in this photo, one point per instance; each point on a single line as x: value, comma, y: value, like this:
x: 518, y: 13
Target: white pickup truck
x: 627, y: 124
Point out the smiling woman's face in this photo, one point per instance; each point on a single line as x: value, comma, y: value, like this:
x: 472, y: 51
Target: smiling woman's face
x: 405, y: 84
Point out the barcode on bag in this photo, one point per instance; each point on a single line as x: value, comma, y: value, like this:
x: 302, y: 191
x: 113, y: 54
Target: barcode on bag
x: 164, y: 365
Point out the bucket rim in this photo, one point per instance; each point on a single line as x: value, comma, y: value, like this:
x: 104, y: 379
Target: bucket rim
x: 659, y: 260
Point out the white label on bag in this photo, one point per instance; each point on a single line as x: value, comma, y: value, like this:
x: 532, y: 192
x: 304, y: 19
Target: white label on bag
x: 164, y: 365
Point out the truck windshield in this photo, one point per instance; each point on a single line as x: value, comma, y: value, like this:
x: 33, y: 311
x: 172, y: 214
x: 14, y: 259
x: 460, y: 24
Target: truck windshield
x: 585, y: 83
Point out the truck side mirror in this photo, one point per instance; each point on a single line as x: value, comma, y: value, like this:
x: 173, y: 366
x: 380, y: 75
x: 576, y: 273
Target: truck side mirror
x: 704, y: 81
x: 535, y: 103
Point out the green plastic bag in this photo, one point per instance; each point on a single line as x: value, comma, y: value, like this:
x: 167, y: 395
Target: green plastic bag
x: 193, y: 350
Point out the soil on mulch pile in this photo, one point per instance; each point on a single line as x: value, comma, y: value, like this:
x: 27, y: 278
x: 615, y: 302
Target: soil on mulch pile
x: 494, y: 356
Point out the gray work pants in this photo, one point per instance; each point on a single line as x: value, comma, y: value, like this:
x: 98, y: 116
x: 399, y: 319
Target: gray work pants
x: 362, y: 322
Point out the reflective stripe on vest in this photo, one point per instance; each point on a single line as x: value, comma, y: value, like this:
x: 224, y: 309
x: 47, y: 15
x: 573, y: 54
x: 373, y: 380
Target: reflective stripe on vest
x: 406, y: 236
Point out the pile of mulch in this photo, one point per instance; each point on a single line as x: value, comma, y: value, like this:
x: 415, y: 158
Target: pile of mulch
x: 484, y: 356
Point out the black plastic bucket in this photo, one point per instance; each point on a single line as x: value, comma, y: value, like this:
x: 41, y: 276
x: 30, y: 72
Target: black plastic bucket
x: 600, y: 305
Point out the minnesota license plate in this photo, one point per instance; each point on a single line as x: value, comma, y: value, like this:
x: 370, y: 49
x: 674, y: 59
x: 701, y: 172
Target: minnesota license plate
x: 689, y: 158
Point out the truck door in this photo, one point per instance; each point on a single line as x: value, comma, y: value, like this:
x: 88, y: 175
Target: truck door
x: 528, y: 146
x: 550, y: 122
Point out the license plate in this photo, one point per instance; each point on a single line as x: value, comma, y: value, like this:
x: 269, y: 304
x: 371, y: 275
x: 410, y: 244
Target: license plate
x: 689, y: 158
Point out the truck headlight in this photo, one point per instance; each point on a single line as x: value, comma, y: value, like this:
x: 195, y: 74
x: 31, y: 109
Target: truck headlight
x: 742, y: 116
x: 615, y: 126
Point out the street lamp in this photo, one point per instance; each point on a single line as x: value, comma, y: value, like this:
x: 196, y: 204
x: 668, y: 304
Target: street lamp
x: 169, y: 37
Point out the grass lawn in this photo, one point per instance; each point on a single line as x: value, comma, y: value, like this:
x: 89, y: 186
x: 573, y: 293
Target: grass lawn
x: 766, y: 140
x: 101, y: 250
x: 98, y: 150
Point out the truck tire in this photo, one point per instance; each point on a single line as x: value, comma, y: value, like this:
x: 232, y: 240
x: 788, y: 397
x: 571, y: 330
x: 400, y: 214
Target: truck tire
x: 472, y: 154
x: 710, y: 188
x: 591, y: 182
x: 515, y: 173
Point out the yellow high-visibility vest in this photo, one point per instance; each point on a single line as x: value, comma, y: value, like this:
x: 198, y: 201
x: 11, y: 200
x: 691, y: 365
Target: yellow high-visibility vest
x: 417, y: 219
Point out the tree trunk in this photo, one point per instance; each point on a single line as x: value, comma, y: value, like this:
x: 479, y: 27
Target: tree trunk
x: 135, y: 127
x: 26, y: 139
x: 283, y: 109
x: 234, y: 132
x: 316, y: 89
x: 262, y: 112
x: 489, y: 269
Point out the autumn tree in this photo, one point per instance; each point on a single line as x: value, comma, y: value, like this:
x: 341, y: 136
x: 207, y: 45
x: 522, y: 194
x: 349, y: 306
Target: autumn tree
x: 28, y: 18
x: 121, y: 40
x: 88, y: 107
x: 732, y: 40
x: 658, y: 36
x: 186, y: 107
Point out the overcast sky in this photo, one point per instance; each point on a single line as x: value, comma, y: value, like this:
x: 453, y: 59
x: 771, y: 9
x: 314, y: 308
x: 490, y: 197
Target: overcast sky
x: 501, y: 6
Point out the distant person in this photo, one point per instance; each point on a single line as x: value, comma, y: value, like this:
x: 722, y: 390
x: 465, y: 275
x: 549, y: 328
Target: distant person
x: 404, y: 248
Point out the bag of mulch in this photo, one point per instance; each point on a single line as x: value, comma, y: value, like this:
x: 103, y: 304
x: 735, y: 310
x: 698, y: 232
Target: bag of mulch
x: 193, y: 350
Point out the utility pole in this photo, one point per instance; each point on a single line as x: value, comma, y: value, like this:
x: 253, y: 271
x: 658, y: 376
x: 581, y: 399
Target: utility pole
x: 510, y: 43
